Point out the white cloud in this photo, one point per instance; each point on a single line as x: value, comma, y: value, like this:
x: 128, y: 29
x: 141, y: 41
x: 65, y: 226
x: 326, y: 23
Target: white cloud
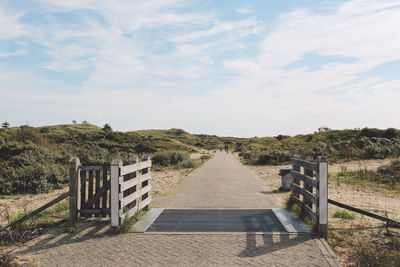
x: 15, y: 53
x: 244, y: 10
x: 9, y: 25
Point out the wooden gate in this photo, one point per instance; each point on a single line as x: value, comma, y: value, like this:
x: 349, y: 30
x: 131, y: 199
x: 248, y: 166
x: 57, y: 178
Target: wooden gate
x: 115, y: 190
x: 90, y: 186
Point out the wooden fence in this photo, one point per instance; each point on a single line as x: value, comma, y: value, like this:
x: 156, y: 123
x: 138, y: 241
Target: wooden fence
x: 109, y: 190
x: 130, y: 188
x: 310, y: 189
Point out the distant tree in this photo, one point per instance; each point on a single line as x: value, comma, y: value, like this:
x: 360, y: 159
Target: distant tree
x: 390, y: 133
x: 323, y: 129
x: 107, y: 128
x: 5, y: 125
x: 74, y: 122
x: 281, y: 137
x: 85, y: 122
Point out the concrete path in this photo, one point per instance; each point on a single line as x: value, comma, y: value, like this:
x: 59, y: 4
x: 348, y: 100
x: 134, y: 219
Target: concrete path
x: 222, y: 182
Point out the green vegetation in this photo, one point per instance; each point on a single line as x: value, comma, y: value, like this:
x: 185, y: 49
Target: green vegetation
x: 343, y: 214
x: 293, y: 207
x: 128, y: 222
x: 337, y: 145
x: 57, y: 208
x: 388, y: 175
x: 35, y: 160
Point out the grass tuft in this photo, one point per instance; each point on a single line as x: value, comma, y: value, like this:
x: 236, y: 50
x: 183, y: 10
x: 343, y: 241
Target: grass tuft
x: 343, y: 214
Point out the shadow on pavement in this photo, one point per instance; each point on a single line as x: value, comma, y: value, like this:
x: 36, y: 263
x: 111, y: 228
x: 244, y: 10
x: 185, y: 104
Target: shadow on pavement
x: 269, y: 244
x: 86, y: 229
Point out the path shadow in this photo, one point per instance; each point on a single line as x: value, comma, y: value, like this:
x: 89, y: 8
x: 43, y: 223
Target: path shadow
x: 270, y: 245
x: 85, y: 229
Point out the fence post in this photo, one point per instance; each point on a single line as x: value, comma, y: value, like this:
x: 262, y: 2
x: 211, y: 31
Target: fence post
x: 323, y: 196
x: 116, y: 165
x: 74, y: 189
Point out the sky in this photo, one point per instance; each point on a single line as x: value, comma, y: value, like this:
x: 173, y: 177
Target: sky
x: 227, y: 67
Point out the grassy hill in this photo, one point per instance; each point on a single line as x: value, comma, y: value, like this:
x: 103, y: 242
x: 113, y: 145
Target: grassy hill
x: 337, y: 145
x: 34, y: 160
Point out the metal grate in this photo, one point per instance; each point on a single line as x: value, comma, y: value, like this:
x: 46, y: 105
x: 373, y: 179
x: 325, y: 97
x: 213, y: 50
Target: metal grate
x: 213, y: 220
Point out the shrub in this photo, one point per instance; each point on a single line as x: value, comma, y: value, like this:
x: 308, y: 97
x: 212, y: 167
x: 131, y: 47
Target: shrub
x: 169, y: 158
x: 187, y: 164
x: 273, y: 157
x: 372, y: 132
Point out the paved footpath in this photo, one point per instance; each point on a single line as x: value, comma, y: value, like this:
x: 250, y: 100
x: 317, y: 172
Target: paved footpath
x: 222, y: 182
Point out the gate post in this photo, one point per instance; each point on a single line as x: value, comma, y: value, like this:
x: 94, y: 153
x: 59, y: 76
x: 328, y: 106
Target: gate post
x: 323, y: 196
x: 74, y: 189
x: 116, y: 165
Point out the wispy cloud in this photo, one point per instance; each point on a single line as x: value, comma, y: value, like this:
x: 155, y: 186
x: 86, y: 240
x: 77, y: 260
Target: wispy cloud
x: 201, y: 70
x: 244, y: 10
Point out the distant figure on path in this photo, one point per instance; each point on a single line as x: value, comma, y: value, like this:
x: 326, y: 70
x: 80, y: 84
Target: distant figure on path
x: 227, y: 149
x: 220, y: 148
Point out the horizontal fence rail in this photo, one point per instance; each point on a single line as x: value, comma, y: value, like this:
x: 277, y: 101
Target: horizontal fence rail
x: 310, y: 189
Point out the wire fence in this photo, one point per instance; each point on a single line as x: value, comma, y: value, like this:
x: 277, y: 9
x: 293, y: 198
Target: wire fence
x: 361, y: 187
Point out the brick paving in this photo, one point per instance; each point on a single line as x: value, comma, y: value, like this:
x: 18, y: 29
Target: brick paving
x: 221, y: 183
x: 186, y: 250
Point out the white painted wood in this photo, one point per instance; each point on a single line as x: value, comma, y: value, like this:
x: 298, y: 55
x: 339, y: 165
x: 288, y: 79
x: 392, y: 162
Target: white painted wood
x: 323, y: 197
x: 130, y: 183
x: 135, y: 167
x: 116, y: 166
x: 132, y: 197
x: 145, y: 202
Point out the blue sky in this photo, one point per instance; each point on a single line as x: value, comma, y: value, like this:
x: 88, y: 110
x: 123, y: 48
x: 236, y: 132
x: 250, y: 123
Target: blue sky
x: 238, y: 68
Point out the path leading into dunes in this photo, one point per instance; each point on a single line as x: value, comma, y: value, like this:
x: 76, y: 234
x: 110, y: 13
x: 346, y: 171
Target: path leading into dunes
x: 222, y: 182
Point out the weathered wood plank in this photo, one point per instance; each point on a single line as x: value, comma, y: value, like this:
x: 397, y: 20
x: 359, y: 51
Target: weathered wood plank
x: 129, y: 184
x: 322, y: 207
x: 90, y: 189
x: 310, y: 213
x: 83, y: 188
x: 92, y: 168
x: 306, y: 179
x: 74, y: 187
x: 132, y: 197
x: 311, y: 197
x: 116, y: 166
x: 306, y: 164
x: 145, y: 190
x: 104, y: 196
x: 97, y: 187
x: 135, y: 181
x: 102, y: 191
x: 145, y: 202
x: 135, y: 167
x: 96, y: 211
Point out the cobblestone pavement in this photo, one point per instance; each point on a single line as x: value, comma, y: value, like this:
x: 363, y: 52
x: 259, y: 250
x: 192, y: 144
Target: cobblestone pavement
x: 221, y: 183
